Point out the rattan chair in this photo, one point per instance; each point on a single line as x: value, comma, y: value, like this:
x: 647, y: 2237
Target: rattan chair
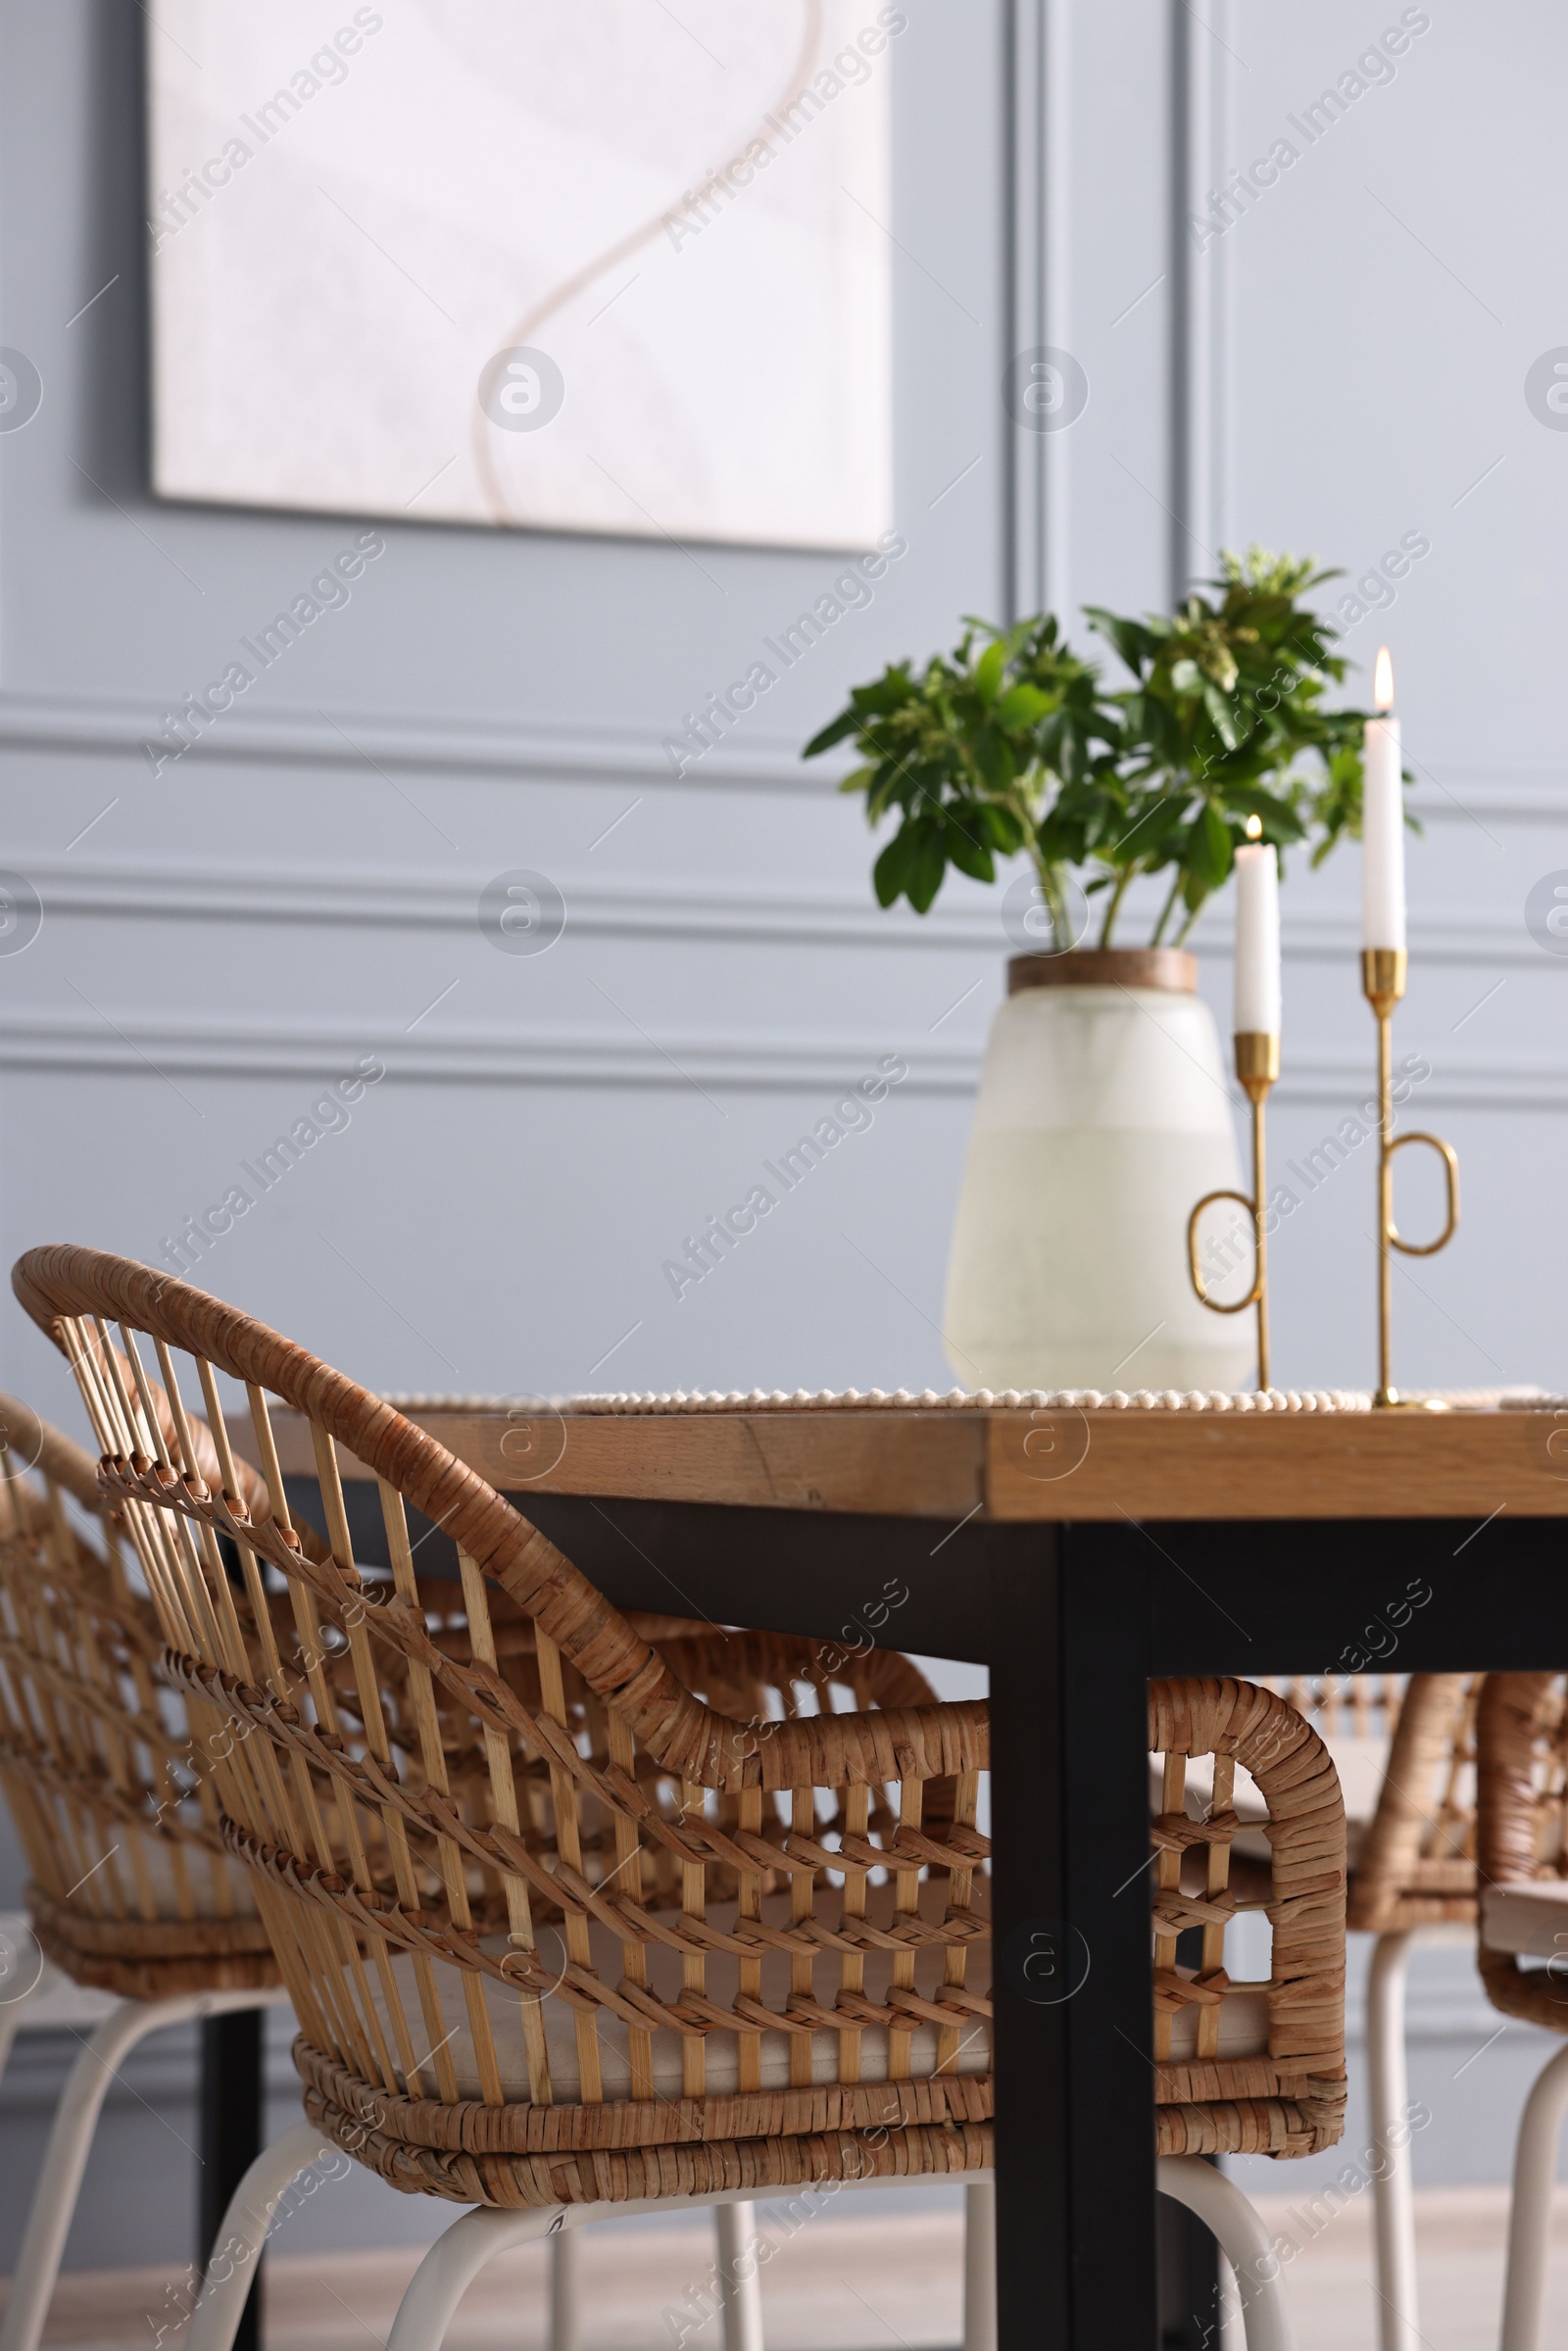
x: 130, y: 1889
x: 1404, y: 1750
x: 577, y: 1926
x: 1521, y: 1850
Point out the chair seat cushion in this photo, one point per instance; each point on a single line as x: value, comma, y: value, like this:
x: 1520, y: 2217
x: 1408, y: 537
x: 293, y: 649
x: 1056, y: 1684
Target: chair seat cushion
x: 1243, y: 2015
x: 722, y: 2047
x: 1242, y: 2024
x: 1528, y: 1919
x: 1363, y: 1764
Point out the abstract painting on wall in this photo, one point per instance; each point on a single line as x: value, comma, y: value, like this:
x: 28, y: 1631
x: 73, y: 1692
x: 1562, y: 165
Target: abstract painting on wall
x: 614, y: 268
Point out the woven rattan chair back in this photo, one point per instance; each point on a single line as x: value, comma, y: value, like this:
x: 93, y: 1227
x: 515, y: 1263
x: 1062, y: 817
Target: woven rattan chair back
x: 1345, y: 1705
x: 131, y: 1889
x: 571, y: 1915
x: 1522, y: 1828
x: 1405, y: 1747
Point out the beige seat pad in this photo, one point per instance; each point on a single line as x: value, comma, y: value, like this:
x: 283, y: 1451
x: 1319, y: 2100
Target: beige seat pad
x: 1244, y: 2017
x: 1530, y: 1919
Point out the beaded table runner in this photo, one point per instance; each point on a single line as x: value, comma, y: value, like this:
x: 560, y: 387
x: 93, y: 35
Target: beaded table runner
x: 984, y: 1400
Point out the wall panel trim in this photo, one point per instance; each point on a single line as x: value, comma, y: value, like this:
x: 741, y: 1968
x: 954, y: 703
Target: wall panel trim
x: 162, y: 1047
x: 681, y: 910
x: 443, y: 745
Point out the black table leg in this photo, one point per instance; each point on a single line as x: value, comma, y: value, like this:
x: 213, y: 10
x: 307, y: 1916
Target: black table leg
x: 1034, y: 2257
x: 233, y: 2121
x: 1075, y: 2175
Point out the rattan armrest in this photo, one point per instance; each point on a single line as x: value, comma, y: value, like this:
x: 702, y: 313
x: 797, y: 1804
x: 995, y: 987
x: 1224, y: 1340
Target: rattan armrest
x: 1387, y: 1889
x: 1516, y: 1715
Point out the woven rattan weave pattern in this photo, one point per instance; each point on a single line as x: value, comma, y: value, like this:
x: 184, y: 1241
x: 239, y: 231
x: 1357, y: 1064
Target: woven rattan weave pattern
x: 131, y: 1887
x: 1413, y: 1855
x: 1522, y: 1824
x: 1415, y: 1865
x: 569, y: 1914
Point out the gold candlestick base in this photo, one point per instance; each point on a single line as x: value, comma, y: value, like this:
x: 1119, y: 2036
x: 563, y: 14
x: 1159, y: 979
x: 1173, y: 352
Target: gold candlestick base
x: 1258, y: 1065
x: 1383, y: 978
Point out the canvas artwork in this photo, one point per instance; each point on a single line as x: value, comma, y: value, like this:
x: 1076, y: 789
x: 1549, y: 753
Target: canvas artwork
x: 617, y: 268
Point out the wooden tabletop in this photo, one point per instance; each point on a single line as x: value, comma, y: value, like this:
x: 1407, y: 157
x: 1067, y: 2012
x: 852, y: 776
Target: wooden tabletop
x: 1046, y: 1462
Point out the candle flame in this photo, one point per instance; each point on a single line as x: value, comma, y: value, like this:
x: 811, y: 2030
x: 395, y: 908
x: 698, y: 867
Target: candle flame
x: 1254, y: 828
x: 1383, y: 681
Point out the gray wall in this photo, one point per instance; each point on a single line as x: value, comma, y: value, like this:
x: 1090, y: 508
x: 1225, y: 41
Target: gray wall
x: 1344, y: 365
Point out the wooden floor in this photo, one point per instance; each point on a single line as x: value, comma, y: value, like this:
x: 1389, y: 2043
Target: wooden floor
x: 886, y: 2281
x: 1460, y: 2234
x: 835, y: 2282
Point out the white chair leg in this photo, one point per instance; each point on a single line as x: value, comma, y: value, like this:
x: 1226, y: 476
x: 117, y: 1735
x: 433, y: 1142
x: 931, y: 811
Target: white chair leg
x: 13, y: 2012
x: 231, y: 2266
x: 980, y: 2266
x: 566, y: 2290
x: 740, y: 2286
x: 10, y: 2025
x: 455, y: 2259
x: 1398, y: 2315
x: 1534, y: 2169
x: 1243, y: 2240
x: 451, y: 2265
x: 54, y: 2199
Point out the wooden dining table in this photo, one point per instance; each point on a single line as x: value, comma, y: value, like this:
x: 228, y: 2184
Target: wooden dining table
x: 1074, y: 1549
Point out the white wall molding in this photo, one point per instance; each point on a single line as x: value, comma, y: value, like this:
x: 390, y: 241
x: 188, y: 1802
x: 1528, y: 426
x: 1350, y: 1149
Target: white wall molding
x: 1023, y: 207
x: 170, y: 1046
x: 164, y: 1046
x: 1440, y: 937
x: 1039, y: 221
x: 1339, y: 1082
x: 1197, y: 308
x: 550, y: 752
x: 685, y: 909
x: 1476, y: 795
x: 446, y: 745
x: 677, y: 910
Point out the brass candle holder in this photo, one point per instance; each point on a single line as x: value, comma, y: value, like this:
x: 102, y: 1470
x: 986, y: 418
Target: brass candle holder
x: 1383, y: 975
x: 1258, y: 1065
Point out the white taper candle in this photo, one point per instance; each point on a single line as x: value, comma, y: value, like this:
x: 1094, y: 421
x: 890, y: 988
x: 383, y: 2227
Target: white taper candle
x: 1257, y: 941
x: 1383, y: 819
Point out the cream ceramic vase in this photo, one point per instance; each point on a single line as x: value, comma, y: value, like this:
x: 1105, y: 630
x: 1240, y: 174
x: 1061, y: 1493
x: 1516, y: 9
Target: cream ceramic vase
x: 1102, y: 1115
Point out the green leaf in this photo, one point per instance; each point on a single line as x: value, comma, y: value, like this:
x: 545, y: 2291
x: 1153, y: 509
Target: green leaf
x: 987, y: 671
x: 835, y: 731
x: 1001, y: 825
x: 1209, y: 852
x: 1279, y: 822
x: 1023, y: 705
x: 1133, y: 642
x: 889, y: 692
x: 1222, y: 714
x: 886, y: 874
x: 969, y: 853
x: 1009, y: 742
x: 994, y: 760
x: 927, y: 864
